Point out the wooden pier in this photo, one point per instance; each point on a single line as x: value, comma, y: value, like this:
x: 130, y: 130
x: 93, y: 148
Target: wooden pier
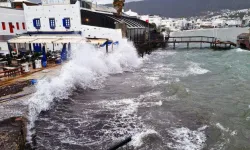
x: 147, y: 46
x: 212, y: 41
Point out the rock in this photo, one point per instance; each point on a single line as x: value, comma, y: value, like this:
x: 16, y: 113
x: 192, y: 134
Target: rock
x: 13, y: 133
x: 14, y: 88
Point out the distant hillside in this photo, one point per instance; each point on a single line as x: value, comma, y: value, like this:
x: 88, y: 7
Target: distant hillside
x: 184, y: 8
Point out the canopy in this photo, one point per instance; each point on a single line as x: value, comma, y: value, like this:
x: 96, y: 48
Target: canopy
x: 70, y: 40
x: 97, y: 41
x: 21, y: 40
x: 48, y: 39
x: 44, y: 40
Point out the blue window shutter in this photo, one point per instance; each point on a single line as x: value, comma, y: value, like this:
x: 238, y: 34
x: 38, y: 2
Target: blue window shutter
x: 52, y: 23
x: 37, y: 23
x: 66, y: 23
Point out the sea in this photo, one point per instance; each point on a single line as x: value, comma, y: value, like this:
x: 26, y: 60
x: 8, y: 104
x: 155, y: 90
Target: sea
x: 182, y: 99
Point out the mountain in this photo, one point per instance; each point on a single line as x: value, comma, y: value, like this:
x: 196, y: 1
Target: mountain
x: 184, y: 8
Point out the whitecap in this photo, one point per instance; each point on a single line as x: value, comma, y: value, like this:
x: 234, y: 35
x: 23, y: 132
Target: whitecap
x: 195, y: 69
x: 137, y: 139
x: 222, y: 127
x: 241, y: 50
x: 88, y: 68
x: 186, y: 139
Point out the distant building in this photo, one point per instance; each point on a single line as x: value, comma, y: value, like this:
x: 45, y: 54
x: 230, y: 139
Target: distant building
x: 246, y: 21
x: 157, y: 20
x: 218, y: 23
x: 132, y: 14
x: 233, y: 23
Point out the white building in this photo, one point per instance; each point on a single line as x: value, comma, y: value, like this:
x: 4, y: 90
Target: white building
x: 12, y: 21
x: 246, y: 20
x: 170, y: 23
x: 218, y: 22
x: 157, y: 20
x: 132, y: 14
x: 233, y: 22
x: 71, y: 21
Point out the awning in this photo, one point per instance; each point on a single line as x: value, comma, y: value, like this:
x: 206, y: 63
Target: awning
x: 70, y: 40
x: 96, y: 41
x: 48, y: 39
x: 21, y: 40
x: 45, y: 40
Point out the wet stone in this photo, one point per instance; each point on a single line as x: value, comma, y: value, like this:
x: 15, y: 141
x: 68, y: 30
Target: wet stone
x: 12, y: 134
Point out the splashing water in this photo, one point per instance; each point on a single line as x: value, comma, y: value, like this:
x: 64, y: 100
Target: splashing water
x: 87, y: 69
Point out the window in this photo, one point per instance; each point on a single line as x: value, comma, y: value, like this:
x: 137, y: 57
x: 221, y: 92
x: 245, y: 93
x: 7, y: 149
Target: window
x: 66, y: 23
x: 52, y: 23
x: 23, y: 24
x: 17, y: 25
x: 97, y: 19
x: 3, y: 26
x: 11, y: 26
x: 37, y: 23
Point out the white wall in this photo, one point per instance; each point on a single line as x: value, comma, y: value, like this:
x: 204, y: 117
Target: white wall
x: 11, y: 15
x: 144, y: 17
x: 53, y: 11
x: 97, y: 32
x: 5, y: 4
x: 3, y: 46
x: 46, y: 2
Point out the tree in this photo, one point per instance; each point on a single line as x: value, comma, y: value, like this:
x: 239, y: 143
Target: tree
x: 154, y: 25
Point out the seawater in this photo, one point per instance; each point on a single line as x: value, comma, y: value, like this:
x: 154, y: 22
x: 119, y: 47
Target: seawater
x: 172, y: 99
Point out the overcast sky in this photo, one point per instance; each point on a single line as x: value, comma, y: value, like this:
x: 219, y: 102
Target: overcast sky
x: 111, y: 1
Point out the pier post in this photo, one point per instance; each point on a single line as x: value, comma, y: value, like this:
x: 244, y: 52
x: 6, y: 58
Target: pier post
x: 187, y: 45
x: 107, y: 46
x: 174, y: 43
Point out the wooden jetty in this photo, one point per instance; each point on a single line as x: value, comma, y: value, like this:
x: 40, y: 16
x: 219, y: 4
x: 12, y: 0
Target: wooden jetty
x: 212, y: 41
x: 147, y: 46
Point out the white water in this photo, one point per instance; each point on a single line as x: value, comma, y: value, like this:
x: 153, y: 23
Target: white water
x: 186, y: 139
x: 87, y: 69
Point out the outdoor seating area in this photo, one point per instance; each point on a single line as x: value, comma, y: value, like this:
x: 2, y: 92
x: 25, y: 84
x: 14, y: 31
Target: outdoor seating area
x: 27, y: 58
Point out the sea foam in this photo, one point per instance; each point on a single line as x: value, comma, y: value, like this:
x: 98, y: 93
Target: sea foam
x: 87, y: 68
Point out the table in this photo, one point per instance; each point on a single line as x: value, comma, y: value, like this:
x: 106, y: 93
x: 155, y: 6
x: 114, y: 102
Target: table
x: 9, y: 68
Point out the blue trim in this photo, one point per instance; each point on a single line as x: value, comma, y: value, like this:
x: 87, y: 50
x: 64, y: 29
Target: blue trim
x: 63, y: 32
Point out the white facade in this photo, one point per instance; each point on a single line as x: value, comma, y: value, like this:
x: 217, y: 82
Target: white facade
x: 58, y: 12
x: 155, y: 19
x: 144, y: 17
x: 5, y: 4
x: 97, y: 32
x: 53, y: 2
x: 219, y: 23
x: 12, y: 22
x: 181, y: 23
x: 233, y: 22
x: 169, y: 23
